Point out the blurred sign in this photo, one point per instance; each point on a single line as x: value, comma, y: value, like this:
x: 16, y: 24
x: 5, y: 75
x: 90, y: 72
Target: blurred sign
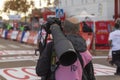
x: 14, y: 17
x: 59, y: 13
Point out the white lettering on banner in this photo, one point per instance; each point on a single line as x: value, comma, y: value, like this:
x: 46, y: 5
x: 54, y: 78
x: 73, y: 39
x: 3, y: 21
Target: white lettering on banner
x: 103, y: 24
x: 102, y: 31
x: 22, y: 73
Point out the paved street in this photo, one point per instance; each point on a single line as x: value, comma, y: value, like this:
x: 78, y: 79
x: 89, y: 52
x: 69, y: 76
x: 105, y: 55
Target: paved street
x: 17, y: 62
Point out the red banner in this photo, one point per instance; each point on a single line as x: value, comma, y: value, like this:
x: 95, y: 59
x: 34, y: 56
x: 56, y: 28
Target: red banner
x: 101, y: 35
x: 90, y: 23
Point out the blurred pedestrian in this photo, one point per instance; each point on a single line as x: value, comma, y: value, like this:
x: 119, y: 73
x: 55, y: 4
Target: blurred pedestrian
x: 117, y: 21
x: 8, y: 28
x: 86, y: 28
x: 41, y: 35
x: 114, y: 40
x: 21, y: 28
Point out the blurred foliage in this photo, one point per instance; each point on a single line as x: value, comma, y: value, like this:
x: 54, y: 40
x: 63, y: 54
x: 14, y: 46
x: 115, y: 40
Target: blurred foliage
x: 20, y: 6
x: 56, y: 2
x: 0, y: 17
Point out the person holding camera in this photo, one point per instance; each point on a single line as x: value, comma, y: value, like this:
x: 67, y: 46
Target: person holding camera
x: 66, y: 57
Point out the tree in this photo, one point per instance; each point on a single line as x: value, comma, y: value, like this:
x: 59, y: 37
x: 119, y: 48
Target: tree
x: 18, y: 6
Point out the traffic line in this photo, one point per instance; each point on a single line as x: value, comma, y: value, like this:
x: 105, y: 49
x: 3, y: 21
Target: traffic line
x: 103, y: 70
x: 18, y: 58
x: 13, y: 46
x: 97, y: 57
x: 20, y: 72
x: 1, y: 46
x: 27, y: 46
x: 16, y: 52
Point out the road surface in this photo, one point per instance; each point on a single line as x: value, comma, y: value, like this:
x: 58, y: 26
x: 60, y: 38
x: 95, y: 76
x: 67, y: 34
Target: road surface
x: 17, y: 62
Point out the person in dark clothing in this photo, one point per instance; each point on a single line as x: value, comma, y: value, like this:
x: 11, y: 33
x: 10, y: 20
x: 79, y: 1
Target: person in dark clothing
x: 73, y: 71
x: 86, y: 28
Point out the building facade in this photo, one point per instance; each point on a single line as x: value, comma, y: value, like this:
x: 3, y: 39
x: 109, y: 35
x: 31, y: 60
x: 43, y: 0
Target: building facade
x: 102, y: 9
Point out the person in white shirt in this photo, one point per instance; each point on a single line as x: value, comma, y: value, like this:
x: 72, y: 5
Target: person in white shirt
x: 114, y: 39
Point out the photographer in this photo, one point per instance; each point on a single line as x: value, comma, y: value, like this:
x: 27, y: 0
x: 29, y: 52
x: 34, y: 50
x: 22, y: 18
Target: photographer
x: 57, y: 68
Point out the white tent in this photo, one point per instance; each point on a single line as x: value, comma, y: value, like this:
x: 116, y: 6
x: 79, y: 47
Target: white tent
x: 83, y: 16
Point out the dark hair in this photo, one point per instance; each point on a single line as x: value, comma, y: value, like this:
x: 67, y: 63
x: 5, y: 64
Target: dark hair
x: 117, y: 26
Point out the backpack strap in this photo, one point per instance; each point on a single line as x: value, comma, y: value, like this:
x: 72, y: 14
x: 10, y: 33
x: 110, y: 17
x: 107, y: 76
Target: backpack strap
x: 84, y: 73
x: 80, y: 59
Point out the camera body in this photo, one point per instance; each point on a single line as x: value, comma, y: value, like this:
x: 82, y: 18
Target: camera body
x: 50, y: 21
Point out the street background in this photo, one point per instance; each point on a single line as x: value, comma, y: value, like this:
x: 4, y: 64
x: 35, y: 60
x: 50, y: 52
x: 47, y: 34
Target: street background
x: 17, y: 62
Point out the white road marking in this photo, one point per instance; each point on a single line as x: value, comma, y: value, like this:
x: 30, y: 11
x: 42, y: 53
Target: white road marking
x: 16, y: 52
x: 1, y: 46
x: 13, y: 46
x: 102, y: 70
x: 18, y: 58
x: 97, y: 57
x: 27, y: 46
x: 20, y: 72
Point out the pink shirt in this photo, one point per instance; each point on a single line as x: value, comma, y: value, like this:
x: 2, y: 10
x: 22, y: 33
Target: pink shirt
x: 74, y: 71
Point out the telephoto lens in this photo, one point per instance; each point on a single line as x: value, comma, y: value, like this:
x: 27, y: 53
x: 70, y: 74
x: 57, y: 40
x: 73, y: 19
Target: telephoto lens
x: 64, y: 49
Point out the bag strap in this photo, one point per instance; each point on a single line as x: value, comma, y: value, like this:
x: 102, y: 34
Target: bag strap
x: 80, y: 59
x: 84, y: 76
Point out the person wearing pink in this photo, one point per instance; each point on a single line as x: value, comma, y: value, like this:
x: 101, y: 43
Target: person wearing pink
x: 73, y: 71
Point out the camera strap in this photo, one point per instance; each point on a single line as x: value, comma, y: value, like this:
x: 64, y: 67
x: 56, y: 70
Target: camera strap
x: 54, y: 64
x: 84, y: 76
